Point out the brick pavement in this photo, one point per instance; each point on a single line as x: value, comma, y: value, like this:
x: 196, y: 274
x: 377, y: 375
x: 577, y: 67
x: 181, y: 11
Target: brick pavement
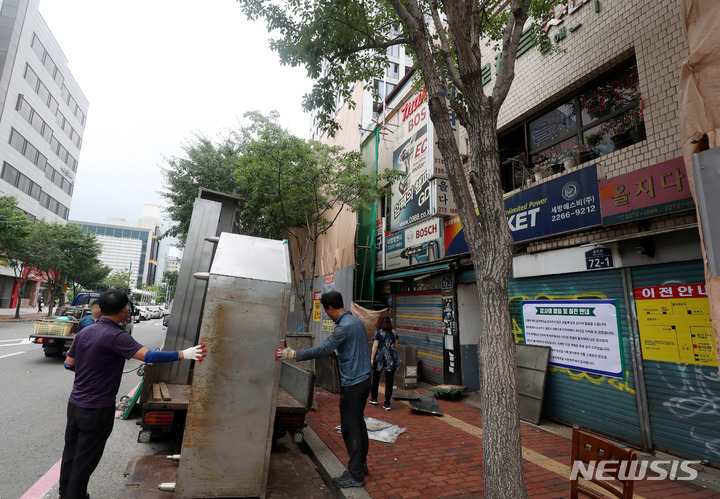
x: 441, y: 456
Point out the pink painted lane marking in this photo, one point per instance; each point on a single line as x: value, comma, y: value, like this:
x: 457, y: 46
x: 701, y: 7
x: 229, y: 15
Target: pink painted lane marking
x: 49, y: 479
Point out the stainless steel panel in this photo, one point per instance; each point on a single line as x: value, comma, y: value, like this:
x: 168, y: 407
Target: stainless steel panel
x: 228, y: 433
x: 213, y: 213
x: 187, y: 304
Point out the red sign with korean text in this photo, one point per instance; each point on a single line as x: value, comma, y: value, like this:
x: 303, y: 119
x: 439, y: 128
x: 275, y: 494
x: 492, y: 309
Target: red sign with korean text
x: 648, y: 192
x: 673, y: 291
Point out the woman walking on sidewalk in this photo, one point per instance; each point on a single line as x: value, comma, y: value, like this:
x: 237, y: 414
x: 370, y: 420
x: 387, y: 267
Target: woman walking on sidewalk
x: 384, y: 358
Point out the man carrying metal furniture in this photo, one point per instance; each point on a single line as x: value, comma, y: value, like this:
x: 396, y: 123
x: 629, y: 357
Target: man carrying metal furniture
x: 97, y: 356
x: 350, y: 341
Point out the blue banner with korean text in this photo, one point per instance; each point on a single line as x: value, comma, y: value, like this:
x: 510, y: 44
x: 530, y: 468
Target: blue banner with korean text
x: 570, y: 202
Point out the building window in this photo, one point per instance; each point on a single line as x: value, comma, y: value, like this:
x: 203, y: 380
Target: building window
x: 32, y: 78
x: 10, y: 174
x: 393, y: 70
x: 37, y: 47
x: 13, y: 177
x: 602, y: 118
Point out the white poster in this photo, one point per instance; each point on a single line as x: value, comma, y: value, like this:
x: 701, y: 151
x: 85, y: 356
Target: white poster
x: 583, y: 335
x: 413, y: 156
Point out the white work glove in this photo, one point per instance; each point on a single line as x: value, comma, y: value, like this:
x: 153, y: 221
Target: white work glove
x: 194, y: 353
x: 286, y: 353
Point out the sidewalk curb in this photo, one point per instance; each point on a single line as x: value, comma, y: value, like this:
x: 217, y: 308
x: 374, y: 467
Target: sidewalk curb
x: 329, y: 465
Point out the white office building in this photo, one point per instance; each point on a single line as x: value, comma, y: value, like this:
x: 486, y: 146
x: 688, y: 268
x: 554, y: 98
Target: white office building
x: 42, y: 121
x: 43, y: 115
x: 134, y: 246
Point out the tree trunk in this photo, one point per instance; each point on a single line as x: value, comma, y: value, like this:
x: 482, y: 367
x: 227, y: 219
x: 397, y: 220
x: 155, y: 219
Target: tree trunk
x: 17, y: 307
x: 490, y: 244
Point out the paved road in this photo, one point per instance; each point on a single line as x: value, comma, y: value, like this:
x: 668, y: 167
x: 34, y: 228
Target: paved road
x: 34, y: 394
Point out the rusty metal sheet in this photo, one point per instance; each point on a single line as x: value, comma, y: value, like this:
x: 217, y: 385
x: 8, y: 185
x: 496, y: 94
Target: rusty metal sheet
x: 145, y: 473
x: 228, y: 432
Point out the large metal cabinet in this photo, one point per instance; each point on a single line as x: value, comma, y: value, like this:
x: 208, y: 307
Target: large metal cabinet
x: 228, y: 433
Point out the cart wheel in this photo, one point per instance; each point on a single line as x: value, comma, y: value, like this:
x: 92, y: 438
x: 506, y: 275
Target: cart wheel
x: 124, y: 398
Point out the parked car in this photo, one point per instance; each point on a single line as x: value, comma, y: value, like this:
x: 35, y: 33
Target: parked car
x: 154, y: 311
x: 143, y: 312
x: 166, y: 320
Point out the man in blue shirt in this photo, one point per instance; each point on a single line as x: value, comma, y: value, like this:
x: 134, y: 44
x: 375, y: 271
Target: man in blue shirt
x: 97, y: 356
x: 350, y: 341
x: 95, y: 314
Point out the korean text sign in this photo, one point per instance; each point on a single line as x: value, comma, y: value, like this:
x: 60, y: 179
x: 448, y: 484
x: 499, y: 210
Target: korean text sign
x: 675, y: 325
x: 583, y: 335
x: 648, y: 192
x: 568, y: 203
x: 413, y: 151
x: 421, y: 243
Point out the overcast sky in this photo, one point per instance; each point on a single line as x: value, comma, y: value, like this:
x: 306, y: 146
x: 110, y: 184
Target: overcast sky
x: 155, y: 73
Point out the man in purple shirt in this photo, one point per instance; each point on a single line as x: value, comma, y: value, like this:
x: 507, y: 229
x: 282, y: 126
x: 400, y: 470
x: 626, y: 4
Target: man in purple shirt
x: 97, y: 356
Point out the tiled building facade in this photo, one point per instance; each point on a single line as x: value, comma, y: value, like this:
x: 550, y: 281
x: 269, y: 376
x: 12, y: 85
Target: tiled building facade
x: 610, y: 227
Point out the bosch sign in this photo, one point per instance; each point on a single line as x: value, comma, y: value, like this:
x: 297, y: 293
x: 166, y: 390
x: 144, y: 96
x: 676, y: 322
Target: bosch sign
x: 427, y: 230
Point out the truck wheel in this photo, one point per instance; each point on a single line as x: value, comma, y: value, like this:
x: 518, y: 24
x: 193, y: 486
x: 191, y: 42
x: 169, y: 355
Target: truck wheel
x: 53, y: 352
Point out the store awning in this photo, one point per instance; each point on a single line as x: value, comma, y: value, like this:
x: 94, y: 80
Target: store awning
x: 414, y: 272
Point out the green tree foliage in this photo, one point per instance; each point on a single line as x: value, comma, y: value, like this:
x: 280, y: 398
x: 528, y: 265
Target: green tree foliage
x: 15, y: 230
x: 119, y: 279
x: 290, y: 188
x: 90, y: 276
x: 204, y: 165
x: 342, y: 42
x: 61, y: 251
x: 170, y: 279
x: 298, y: 189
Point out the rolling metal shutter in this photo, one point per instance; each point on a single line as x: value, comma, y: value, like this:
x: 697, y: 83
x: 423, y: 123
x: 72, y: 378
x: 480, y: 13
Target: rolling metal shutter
x: 683, y: 399
x: 418, y: 322
x: 602, y: 404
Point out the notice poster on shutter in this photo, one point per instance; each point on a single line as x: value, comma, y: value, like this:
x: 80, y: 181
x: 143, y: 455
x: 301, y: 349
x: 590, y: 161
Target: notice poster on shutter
x: 675, y: 324
x: 583, y: 335
x: 317, y: 310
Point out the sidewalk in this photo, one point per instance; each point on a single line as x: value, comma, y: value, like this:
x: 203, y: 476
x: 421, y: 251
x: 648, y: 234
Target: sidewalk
x: 441, y: 456
x: 27, y: 314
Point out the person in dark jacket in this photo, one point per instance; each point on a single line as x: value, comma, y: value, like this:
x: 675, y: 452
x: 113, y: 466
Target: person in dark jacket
x: 350, y: 341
